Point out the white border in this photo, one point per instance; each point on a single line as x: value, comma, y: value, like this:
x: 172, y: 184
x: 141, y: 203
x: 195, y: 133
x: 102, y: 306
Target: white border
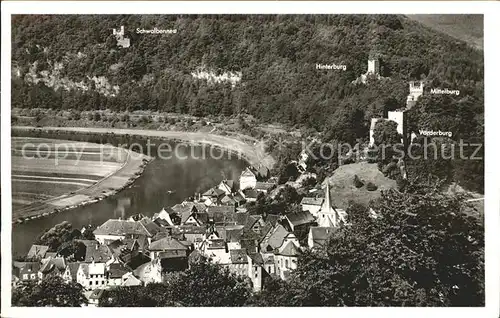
x: 492, y: 114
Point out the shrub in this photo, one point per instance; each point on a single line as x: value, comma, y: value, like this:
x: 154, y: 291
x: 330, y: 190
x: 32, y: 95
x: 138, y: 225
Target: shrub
x: 371, y: 187
x: 357, y: 182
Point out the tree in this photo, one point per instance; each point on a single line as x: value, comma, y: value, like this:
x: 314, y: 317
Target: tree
x: 49, y: 292
x: 73, y: 250
x: 60, y: 233
x: 423, y: 250
x: 203, y: 284
x: 385, y: 133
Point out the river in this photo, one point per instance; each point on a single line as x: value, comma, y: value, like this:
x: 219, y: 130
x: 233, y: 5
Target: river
x: 191, y: 171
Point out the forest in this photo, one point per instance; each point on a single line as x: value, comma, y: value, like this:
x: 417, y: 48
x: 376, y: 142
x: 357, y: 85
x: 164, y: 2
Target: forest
x: 276, y: 56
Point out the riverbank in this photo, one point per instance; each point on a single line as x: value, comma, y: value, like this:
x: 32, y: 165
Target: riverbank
x: 255, y: 154
x: 112, y: 182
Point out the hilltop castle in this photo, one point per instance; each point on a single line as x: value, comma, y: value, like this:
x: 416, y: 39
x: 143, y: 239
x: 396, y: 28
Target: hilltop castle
x: 121, y: 40
x: 399, y: 116
x: 373, y: 70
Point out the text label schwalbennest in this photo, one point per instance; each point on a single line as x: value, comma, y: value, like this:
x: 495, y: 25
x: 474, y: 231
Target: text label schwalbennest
x: 155, y: 31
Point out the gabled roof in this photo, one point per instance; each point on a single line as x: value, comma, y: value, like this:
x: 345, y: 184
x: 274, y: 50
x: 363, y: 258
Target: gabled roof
x: 289, y: 250
x: 118, y: 246
x: 300, y: 218
x: 151, y: 227
x: 96, y: 252
x: 131, y: 280
x: 250, y: 193
x: 251, y: 220
x: 238, y: 198
x: 241, y: 218
x: 321, y: 234
x: 166, y: 244
x: 272, y: 219
x: 257, y: 258
x: 264, y: 186
x: 21, y: 268
x: 192, y: 229
x: 228, y: 199
x: 72, y: 268
x: 312, y: 201
x: 248, y: 173
x: 238, y: 256
x: 277, y: 236
x: 37, y: 251
x: 84, y: 268
x: 117, y: 270
x: 122, y: 227
x: 50, y: 264
x: 223, y: 214
x: 213, y: 192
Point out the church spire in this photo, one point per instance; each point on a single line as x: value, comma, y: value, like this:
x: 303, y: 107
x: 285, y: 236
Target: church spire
x: 327, y: 196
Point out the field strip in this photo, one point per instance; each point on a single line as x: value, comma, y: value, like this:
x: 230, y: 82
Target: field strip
x: 50, y: 178
x: 56, y: 182
x: 61, y: 152
x: 255, y: 154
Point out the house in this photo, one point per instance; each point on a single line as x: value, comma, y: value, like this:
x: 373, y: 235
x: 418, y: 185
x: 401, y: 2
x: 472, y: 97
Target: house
x: 286, y: 259
x: 248, y: 179
x: 216, y: 250
x: 70, y: 273
x: 167, y: 247
x: 318, y: 236
x: 163, y: 217
x: 25, y: 271
x: 239, y: 198
x: 194, y: 218
x: 114, y: 274
x: 124, y: 250
x: 228, y: 200
x: 130, y: 280
x: 274, y: 238
x: 114, y: 230
x: 221, y: 215
x: 264, y: 187
x: 51, y: 267
x: 96, y: 252
x: 227, y: 186
x: 149, y: 272
x: 268, y: 263
x: 298, y: 219
x: 91, y: 276
x: 262, y: 172
x: 313, y: 205
x: 37, y: 252
x: 254, y: 223
x: 95, y: 297
x: 328, y: 216
x: 193, y: 234
x: 212, y: 196
x: 250, y: 195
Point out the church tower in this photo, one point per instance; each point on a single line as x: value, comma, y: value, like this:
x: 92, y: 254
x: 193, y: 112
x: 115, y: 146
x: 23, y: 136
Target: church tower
x: 327, y: 216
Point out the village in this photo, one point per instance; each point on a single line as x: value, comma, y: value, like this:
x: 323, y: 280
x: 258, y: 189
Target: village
x: 215, y: 225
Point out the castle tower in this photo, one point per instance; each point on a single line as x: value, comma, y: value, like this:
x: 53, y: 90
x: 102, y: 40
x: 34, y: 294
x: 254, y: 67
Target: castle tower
x: 400, y: 118
x: 416, y: 90
x: 373, y: 66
